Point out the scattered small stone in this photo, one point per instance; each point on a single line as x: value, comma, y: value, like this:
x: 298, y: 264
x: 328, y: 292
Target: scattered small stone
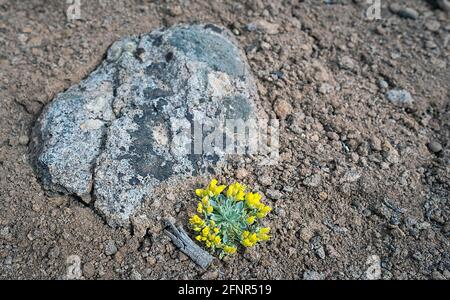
x: 323, y: 196
x: 408, y: 13
x: 241, y: 173
x: 13, y: 142
x: 325, y: 88
x: 306, y: 234
x: 265, y: 46
x: 399, y: 97
x: 282, y: 109
x: 265, y: 180
x: 251, y: 27
x: 24, y: 140
x: 333, y: 136
x: 151, y: 260
x: 314, y: 138
x: 73, y: 270
x: 350, y: 176
x: 274, y: 194
x: 313, y: 180
x: 374, y: 270
x: 443, y: 4
x: 313, y: 275
x: 331, y: 251
x: 375, y: 143
x: 288, y: 189
x: 446, y: 228
x: 380, y: 30
x: 317, y: 247
x: 436, y: 275
x: 89, y: 270
x: 211, y: 275
x: 4, y: 231
x: 54, y: 252
x: 435, y: 147
x: 175, y: 11
x: 110, y: 248
x: 140, y: 225
x: 264, y: 26
x: 383, y: 84
x: 347, y: 63
x: 135, y: 275
x: 432, y: 25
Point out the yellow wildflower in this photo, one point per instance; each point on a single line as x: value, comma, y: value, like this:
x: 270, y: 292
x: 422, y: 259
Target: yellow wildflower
x: 237, y: 191
x: 263, y: 234
x: 205, y: 201
x: 196, y: 221
x: 253, y: 238
x: 230, y: 191
x: 253, y: 200
x: 205, y: 231
x: 229, y: 249
x: 264, y: 230
x: 217, y: 190
x: 213, y: 184
x: 251, y: 220
x: 200, y: 208
x: 240, y: 195
x: 263, y: 211
x: 247, y: 243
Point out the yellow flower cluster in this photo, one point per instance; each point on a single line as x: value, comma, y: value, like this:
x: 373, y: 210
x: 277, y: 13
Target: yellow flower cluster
x: 249, y: 239
x: 211, y: 190
x: 206, y: 233
x: 204, y: 206
x: 236, y: 191
x: 253, y: 201
x: 236, y: 213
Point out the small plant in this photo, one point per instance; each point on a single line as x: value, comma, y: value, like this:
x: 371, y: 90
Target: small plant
x: 229, y: 216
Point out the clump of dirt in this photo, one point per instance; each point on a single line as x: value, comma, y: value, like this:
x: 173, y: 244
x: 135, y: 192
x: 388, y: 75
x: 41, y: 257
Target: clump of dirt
x: 362, y: 183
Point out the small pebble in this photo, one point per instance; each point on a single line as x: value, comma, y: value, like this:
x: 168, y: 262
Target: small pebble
x: 313, y: 275
x: 399, y: 97
x: 408, y: 13
x: 24, y: 140
x: 443, y: 4
x: 333, y: 136
x: 435, y: 147
x: 323, y: 196
x: 282, y: 109
x: 313, y: 181
x: 274, y: 194
x: 110, y: 248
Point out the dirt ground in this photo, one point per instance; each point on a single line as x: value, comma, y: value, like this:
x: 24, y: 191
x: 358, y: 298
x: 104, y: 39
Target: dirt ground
x: 362, y: 186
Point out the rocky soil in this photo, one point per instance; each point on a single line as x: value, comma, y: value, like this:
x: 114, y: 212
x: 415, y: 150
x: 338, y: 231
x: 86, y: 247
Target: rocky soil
x: 362, y: 186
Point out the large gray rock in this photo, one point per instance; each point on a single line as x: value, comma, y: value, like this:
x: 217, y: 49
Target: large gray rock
x: 111, y: 138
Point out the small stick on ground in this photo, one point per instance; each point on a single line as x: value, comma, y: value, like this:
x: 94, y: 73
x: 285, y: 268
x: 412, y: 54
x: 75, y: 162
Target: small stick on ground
x: 187, y: 245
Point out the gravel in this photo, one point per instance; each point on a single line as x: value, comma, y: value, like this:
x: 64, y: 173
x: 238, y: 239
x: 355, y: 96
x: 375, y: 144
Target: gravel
x: 435, y: 147
x: 399, y: 97
x: 110, y: 248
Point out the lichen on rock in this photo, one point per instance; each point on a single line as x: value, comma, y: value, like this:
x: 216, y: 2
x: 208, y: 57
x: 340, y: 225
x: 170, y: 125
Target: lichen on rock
x: 112, y: 136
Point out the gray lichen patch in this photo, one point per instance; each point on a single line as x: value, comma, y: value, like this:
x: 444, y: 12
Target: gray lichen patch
x: 112, y: 136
